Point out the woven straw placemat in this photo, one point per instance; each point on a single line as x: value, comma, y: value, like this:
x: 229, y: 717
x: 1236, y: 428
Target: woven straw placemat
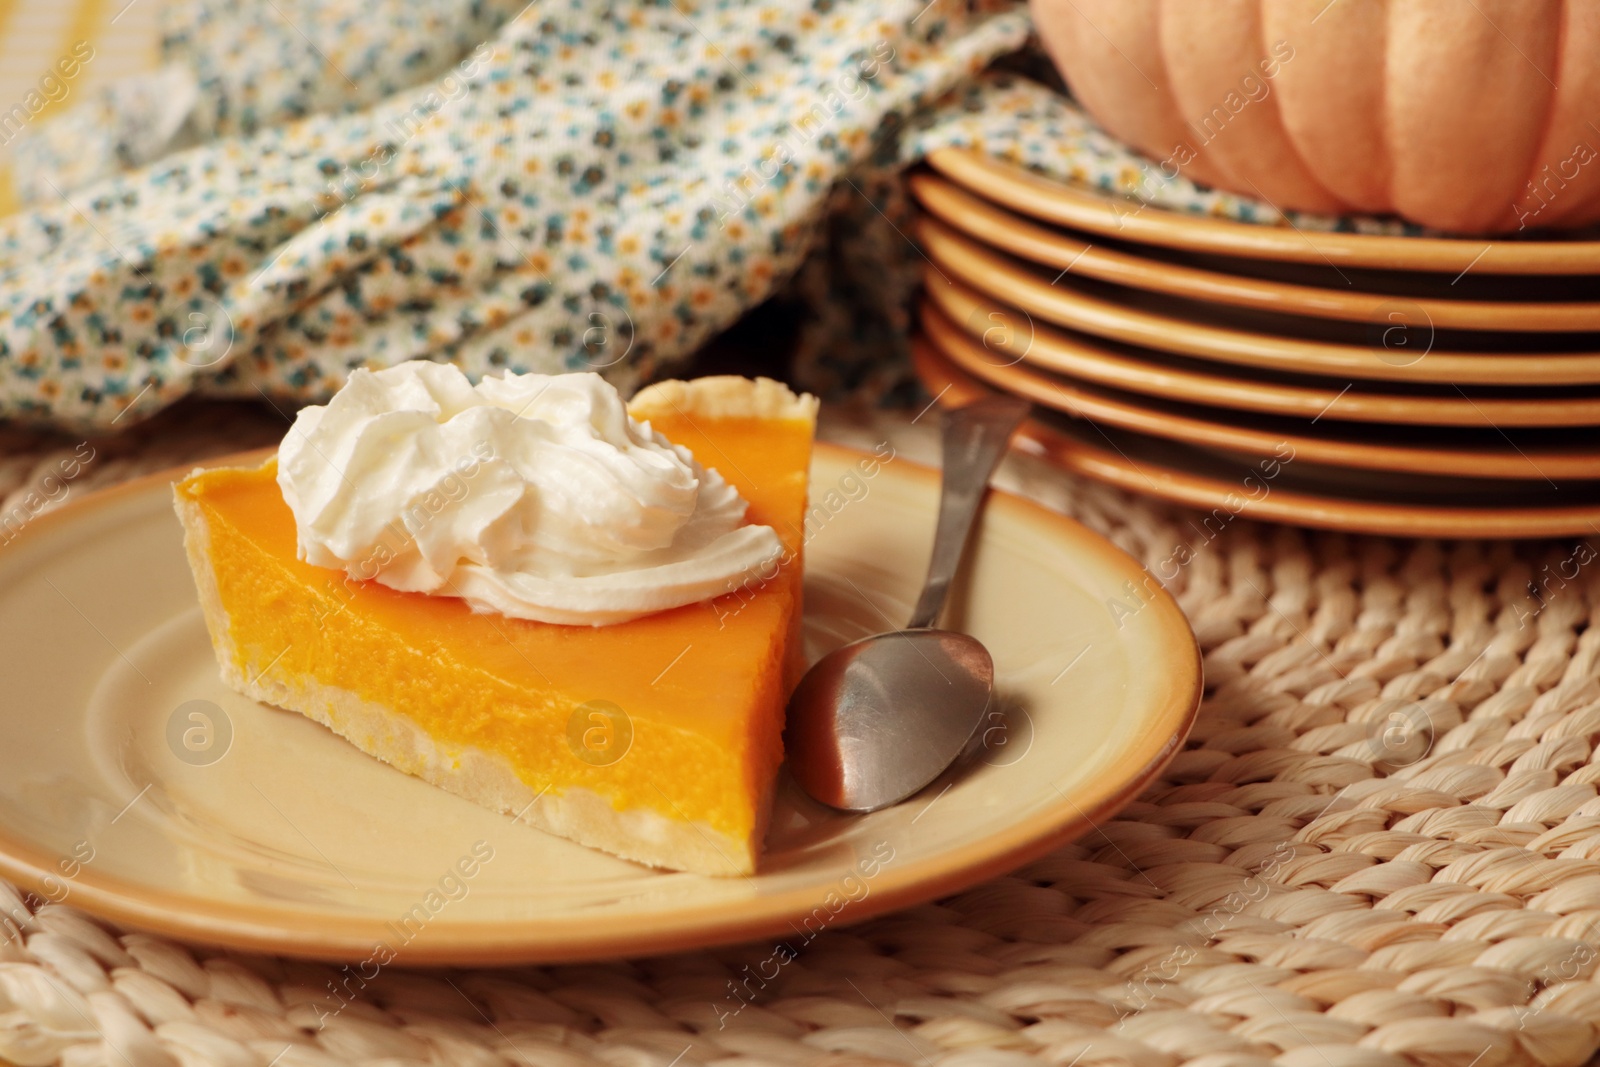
x: 1381, y: 847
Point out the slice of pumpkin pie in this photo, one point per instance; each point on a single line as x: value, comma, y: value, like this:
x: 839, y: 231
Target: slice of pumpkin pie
x: 530, y: 594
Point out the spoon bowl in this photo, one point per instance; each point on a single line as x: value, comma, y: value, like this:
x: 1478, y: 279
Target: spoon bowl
x: 892, y: 711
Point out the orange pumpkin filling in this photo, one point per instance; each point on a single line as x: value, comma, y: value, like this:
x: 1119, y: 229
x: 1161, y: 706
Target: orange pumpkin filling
x: 658, y: 738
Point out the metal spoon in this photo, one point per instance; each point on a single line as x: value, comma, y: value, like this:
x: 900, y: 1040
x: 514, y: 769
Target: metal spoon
x: 873, y: 722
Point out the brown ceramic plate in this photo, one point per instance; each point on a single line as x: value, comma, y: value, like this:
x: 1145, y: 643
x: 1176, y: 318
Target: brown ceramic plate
x: 1060, y: 251
x: 1032, y: 194
x: 1404, y: 351
x: 1016, y: 345
x: 1282, y: 488
x: 1485, y: 454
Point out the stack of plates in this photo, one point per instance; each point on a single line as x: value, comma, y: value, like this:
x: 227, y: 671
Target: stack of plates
x: 1409, y: 385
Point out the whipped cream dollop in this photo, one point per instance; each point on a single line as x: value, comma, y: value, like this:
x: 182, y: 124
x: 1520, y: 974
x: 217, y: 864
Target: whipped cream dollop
x: 530, y: 495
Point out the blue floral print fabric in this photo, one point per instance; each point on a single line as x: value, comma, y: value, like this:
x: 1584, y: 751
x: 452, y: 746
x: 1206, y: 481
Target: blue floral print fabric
x: 311, y: 186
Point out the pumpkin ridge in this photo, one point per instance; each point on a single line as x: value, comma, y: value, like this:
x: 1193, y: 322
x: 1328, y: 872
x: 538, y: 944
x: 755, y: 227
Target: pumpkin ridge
x: 1413, y: 108
x: 1548, y: 153
x: 1297, y: 112
x: 1249, y: 144
x: 1264, y: 47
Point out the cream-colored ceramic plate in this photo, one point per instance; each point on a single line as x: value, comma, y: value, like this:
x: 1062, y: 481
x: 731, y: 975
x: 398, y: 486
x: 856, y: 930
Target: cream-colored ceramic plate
x: 1365, y: 447
x: 1283, y: 488
x: 1402, y: 351
x: 1022, y: 190
x: 1058, y: 250
x: 1016, y: 343
x: 134, y: 785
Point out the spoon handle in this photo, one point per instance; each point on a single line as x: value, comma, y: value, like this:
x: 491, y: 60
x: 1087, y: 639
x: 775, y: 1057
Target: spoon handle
x: 974, y: 438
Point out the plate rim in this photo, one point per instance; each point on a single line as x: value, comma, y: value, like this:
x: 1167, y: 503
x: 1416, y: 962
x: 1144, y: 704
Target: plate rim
x: 247, y: 927
x: 989, y: 271
x: 1082, y: 208
x: 1087, y: 401
x: 1052, y: 350
x: 990, y: 223
x: 1292, y: 507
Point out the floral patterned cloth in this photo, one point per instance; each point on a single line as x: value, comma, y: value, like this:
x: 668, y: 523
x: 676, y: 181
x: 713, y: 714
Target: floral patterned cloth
x: 311, y: 186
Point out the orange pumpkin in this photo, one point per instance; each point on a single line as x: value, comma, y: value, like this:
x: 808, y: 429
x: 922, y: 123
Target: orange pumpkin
x: 1471, y: 116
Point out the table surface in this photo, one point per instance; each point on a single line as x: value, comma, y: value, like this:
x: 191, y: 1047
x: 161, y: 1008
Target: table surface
x: 1382, y: 846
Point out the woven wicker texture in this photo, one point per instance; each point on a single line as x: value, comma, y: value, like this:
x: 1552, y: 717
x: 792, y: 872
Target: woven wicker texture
x: 1381, y: 847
